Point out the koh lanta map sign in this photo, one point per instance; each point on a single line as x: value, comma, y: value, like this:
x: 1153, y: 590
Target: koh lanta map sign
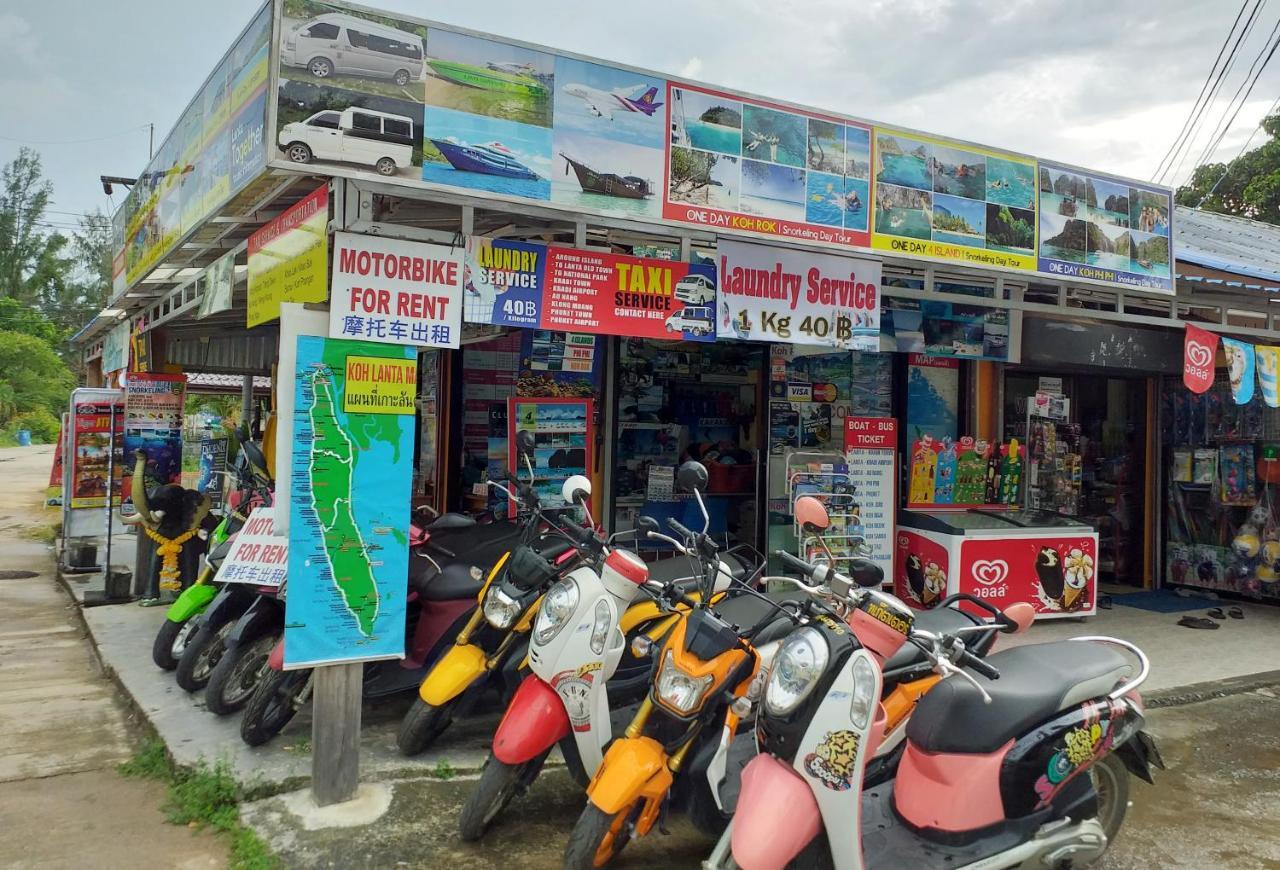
x: 348, y: 529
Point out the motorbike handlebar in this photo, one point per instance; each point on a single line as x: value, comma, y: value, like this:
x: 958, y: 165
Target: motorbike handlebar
x: 969, y: 660
x: 795, y: 563
x: 681, y: 528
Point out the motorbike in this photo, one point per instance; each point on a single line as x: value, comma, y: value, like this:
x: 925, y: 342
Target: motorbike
x: 578, y: 653
x: 441, y: 592
x: 253, y: 485
x: 1018, y: 760
x: 674, y: 752
x: 244, y: 655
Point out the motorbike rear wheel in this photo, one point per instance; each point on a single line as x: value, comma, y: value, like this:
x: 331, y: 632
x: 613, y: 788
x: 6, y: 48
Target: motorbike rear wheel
x: 498, y: 784
x: 272, y: 705
x: 202, y: 654
x: 422, y: 725
x: 1111, y: 781
x: 171, y: 641
x: 598, y: 837
x: 237, y: 675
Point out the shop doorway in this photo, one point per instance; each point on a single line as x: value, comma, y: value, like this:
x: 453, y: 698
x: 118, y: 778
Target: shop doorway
x: 1106, y: 440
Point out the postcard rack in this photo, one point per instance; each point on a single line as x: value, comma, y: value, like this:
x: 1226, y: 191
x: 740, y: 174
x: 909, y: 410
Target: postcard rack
x: 825, y: 476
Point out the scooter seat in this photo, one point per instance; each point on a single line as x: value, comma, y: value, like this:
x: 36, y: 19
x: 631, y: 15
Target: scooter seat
x: 745, y: 610
x: 450, y: 521
x: 940, y: 620
x: 1037, y: 681
x: 456, y: 581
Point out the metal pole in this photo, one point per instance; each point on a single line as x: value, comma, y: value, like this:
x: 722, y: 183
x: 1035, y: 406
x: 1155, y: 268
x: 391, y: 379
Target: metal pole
x: 246, y: 401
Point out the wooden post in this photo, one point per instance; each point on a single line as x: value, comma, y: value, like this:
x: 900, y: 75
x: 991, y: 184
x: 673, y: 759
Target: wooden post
x: 335, y: 732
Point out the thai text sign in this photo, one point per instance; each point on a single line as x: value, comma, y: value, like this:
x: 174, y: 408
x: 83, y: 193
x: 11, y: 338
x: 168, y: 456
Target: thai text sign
x: 377, y: 385
x: 768, y: 293
x: 396, y: 292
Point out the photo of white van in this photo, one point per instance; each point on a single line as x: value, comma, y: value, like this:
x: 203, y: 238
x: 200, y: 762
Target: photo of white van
x: 695, y: 320
x: 340, y: 44
x: 696, y: 290
x: 362, y: 136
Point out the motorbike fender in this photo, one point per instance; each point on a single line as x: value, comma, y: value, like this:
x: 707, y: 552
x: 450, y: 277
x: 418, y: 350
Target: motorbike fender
x: 772, y: 791
x: 193, y: 600
x: 1139, y: 755
x: 457, y: 669
x: 633, y: 769
x: 263, y: 616
x: 275, y: 661
x: 534, y: 722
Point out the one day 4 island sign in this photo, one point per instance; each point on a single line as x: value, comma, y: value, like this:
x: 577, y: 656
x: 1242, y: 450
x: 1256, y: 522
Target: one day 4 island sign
x: 349, y: 527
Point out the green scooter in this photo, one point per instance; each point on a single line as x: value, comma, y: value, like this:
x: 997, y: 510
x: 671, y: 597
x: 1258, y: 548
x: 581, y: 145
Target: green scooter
x: 182, y: 622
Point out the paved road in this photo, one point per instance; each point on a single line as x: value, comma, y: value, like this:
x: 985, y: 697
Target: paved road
x: 61, y: 802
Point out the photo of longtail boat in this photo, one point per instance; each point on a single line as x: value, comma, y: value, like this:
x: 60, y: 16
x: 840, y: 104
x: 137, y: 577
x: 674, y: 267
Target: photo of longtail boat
x: 493, y: 77
x: 607, y: 183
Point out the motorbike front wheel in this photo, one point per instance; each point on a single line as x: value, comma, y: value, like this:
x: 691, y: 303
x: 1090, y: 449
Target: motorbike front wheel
x: 202, y: 654
x: 273, y: 704
x: 237, y: 675
x: 498, y: 784
x: 598, y: 837
x: 171, y: 641
x: 422, y: 725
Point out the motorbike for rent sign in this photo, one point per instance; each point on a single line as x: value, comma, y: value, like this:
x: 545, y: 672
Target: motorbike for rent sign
x: 768, y: 293
x: 614, y: 294
x: 258, y: 555
x: 396, y: 292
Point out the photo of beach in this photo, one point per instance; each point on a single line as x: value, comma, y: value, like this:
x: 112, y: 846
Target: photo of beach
x: 903, y: 211
x: 1011, y: 230
x: 1149, y: 211
x: 705, y: 122
x: 903, y: 161
x: 826, y: 147
x: 494, y: 79
x: 770, y: 190
x: 1149, y: 254
x: 1011, y: 183
x: 778, y: 137
x: 959, y: 173
x: 1109, y: 203
x: 705, y: 179
x: 959, y: 221
x: 605, y: 174
x: 1062, y: 193
x: 1062, y: 238
x: 490, y: 154
x: 857, y: 150
x: 1107, y: 246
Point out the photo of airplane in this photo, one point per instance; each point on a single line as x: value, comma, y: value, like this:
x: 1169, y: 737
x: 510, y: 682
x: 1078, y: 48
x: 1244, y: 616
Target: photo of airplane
x: 604, y: 103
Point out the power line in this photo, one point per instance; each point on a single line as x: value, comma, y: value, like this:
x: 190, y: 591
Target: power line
x: 1181, y: 155
x: 1203, y: 88
x: 1227, y: 166
x: 1251, y: 78
x: 75, y: 141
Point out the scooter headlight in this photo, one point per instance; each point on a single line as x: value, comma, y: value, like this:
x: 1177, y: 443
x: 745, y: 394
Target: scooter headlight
x: 500, y: 609
x: 795, y: 672
x: 864, y: 692
x: 557, y: 606
x: 678, y: 690
x: 600, y: 627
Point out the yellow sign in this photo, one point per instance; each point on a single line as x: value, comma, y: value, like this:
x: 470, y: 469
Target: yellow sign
x: 289, y: 258
x: 379, y: 385
x: 949, y: 201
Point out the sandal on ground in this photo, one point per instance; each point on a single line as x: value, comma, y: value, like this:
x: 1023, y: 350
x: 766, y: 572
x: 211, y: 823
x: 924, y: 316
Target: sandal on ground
x: 151, y: 602
x: 1197, y: 622
x: 1235, y: 613
x: 1216, y: 613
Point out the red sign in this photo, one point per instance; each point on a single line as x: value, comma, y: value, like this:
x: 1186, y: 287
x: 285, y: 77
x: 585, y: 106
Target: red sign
x: 91, y: 446
x: 877, y: 433
x: 1055, y: 575
x: 1199, y: 349
x: 921, y: 576
x: 613, y: 294
x: 932, y: 362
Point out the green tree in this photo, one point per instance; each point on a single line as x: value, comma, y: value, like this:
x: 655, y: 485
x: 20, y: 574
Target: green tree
x: 33, y: 265
x: 32, y: 376
x: 18, y: 317
x: 1248, y: 186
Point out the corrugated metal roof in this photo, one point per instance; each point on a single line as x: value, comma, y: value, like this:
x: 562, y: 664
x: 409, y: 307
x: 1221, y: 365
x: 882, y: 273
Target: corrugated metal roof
x: 1228, y: 243
x: 226, y: 381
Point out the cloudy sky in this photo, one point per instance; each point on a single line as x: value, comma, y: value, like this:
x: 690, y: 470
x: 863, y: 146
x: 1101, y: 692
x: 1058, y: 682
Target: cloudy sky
x: 1099, y: 83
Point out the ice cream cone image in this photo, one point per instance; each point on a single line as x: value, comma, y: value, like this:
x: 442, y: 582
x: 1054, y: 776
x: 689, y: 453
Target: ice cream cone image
x: 1079, y: 571
x: 934, y: 582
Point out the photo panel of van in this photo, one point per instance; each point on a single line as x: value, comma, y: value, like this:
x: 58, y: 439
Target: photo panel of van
x: 347, y: 51
x: 380, y: 141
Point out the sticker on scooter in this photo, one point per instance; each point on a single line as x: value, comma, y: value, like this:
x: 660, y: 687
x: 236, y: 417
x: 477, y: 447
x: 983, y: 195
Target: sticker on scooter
x: 1081, y: 747
x: 833, y: 762
x: 574, y: 688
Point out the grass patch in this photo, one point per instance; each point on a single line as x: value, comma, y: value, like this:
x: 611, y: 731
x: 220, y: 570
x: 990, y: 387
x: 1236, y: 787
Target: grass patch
x: 199, y: 797
x: 444, y: 770
x: 44, y: 534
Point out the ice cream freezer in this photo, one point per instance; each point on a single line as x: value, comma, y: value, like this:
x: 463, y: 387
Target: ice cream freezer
x: 1002, y: 556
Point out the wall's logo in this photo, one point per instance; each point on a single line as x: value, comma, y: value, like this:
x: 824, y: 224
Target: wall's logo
x: 1198, y: 355
x: 990, y: 572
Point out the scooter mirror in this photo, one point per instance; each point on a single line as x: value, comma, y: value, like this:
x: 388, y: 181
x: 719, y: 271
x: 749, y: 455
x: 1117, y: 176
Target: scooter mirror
x: 1021, y: 615
x: 576, y: 489
x: 866, y: 573
x: 525, y: 442
x: 811, y: 514
x: 647, y: 525
x: 692, y: 476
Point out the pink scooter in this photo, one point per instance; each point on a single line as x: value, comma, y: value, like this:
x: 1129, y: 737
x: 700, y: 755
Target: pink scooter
x: 1027, y: 767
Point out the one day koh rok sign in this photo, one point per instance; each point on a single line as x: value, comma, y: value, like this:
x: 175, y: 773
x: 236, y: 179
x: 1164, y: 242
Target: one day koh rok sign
x: 396, y: 292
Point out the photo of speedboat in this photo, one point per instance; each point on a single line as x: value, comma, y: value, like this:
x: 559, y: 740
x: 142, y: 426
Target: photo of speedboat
x: 492, y: 158
x: 488, y: 78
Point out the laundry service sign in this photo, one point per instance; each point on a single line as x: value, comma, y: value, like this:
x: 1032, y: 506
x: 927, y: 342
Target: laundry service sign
x: 774, y: 294
x: 396, y: 292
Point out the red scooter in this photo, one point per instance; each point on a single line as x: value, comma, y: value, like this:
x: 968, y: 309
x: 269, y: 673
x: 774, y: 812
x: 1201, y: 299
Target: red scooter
x: 442, y: 590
